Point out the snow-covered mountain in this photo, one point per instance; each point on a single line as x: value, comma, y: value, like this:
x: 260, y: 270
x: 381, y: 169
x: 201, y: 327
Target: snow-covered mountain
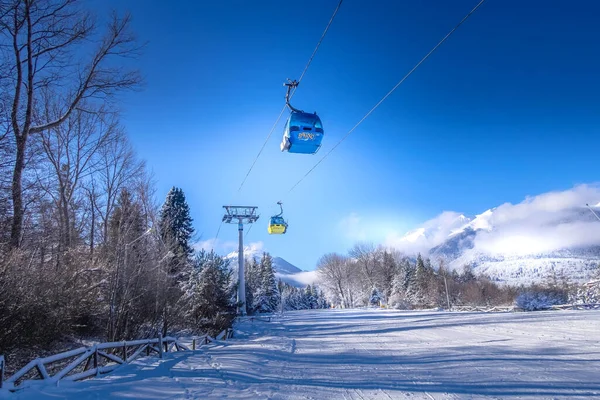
x: 284, y: 270
x: 518, y: 243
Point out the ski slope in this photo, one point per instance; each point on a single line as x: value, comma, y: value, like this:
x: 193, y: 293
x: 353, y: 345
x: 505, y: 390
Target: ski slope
x: 371, y: 354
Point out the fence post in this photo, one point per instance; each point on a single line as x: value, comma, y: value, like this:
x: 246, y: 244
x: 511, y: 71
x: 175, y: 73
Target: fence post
x: 1, y: 370
x: 125, y: 351
x: 160, y: 345
x: 194, y: 344
x: 96, y: 360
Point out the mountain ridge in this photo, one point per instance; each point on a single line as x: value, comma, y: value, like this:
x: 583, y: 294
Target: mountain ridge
x: 515, y: 244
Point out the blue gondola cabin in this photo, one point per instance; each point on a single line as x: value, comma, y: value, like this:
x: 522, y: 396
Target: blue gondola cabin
x: 302, y: 134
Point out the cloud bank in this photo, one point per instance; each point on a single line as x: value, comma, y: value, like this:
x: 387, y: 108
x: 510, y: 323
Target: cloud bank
x: 539, y: 224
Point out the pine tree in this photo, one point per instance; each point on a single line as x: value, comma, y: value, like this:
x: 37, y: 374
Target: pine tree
x: 420, y: 281
x: 309, y: 299
x: 253, y: 282
x: 321, y: 300
x: 268, y: 295
x: 175, y: 225
x: 375, y: 297
x: 207, y: 292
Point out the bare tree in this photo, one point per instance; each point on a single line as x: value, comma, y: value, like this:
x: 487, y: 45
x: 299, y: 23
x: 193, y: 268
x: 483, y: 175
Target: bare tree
x: 366, y: 258
x: 338, y: 276
x: 71, y: 150
x: 48, y: 66
x: 117, y: 168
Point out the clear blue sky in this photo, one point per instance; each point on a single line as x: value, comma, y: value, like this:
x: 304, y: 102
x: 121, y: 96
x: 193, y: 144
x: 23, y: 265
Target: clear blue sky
x: 507, y: 107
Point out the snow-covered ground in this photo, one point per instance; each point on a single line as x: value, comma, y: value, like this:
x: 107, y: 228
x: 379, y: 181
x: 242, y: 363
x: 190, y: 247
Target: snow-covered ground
x: 372, y: 354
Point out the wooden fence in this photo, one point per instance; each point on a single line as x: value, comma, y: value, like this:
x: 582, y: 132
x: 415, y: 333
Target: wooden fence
x: 96, y: 360
x: 587, y: 306
x: 484, y: 309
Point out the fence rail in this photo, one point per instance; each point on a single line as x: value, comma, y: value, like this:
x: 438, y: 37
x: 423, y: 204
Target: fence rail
x: 484, y: 309
x: 96, y: 360
x: 585, y: 306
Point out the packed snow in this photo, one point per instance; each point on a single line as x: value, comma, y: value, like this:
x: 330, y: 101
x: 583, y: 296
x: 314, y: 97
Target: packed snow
x: 371, y: 354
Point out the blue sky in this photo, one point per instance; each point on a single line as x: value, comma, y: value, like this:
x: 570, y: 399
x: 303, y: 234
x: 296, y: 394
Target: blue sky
x: 506, y: 108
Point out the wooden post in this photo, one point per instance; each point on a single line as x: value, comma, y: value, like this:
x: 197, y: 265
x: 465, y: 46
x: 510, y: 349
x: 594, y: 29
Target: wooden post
x: 125, y: 352
x: 96, y: 361
x: 148, y: 349
x: 160, y: 345
x: 194, y: 344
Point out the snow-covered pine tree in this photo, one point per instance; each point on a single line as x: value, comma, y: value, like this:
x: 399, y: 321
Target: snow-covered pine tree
x: 208, y: 299
x: 267, y: 297
x: 389, y: 271
x: 309, y: 299
x: 176, y: 230
x: 375, y: 297
x: 253, y: 281
x: 295, y: 299
x: 321, y: 300
x: 270, y: 283
x: 410, y: 285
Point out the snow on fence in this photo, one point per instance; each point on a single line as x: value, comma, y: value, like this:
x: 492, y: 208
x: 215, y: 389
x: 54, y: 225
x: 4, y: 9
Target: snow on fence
x: 101, y: 358
x: 586, y: 306
x: 484, y: 309
x: 198, y: 341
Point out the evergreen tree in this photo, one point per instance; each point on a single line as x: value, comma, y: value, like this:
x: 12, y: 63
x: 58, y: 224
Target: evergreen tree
x: 309, y: 299
x: 253, y: 282
x: 375, y: 297
x: 207, y: 292
x: 411, y: 285
x: 390, y: 270
x: 467, y: 274
x: 267, y: 298
x: 321, y: 300
x: 175, y: 225
x: 420, y: 270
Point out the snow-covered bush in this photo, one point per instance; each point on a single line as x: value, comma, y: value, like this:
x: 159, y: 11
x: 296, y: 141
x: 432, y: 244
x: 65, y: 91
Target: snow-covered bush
x: 540, y: 299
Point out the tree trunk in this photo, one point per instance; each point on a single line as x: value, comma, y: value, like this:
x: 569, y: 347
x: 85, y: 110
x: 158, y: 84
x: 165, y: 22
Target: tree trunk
x: 93, y: 225
x: 17, y: 193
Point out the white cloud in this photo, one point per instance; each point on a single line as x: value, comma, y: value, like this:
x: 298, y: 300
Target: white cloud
x: 250, y: 250
x: 351, y: 226
x: 300, y: 279
x: 430, y: 234
x: 218, y: 245
x: 229, y: 248
x: 542, y: 223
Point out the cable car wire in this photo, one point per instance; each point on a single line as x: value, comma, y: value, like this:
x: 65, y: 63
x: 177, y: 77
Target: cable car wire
x: 388, y: 94
x: 283, y: 109
x: 291, y: 94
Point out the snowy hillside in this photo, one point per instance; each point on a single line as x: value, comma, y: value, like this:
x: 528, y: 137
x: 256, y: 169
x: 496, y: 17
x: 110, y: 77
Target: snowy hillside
x: 284, y: 270
x: 518, y: 243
